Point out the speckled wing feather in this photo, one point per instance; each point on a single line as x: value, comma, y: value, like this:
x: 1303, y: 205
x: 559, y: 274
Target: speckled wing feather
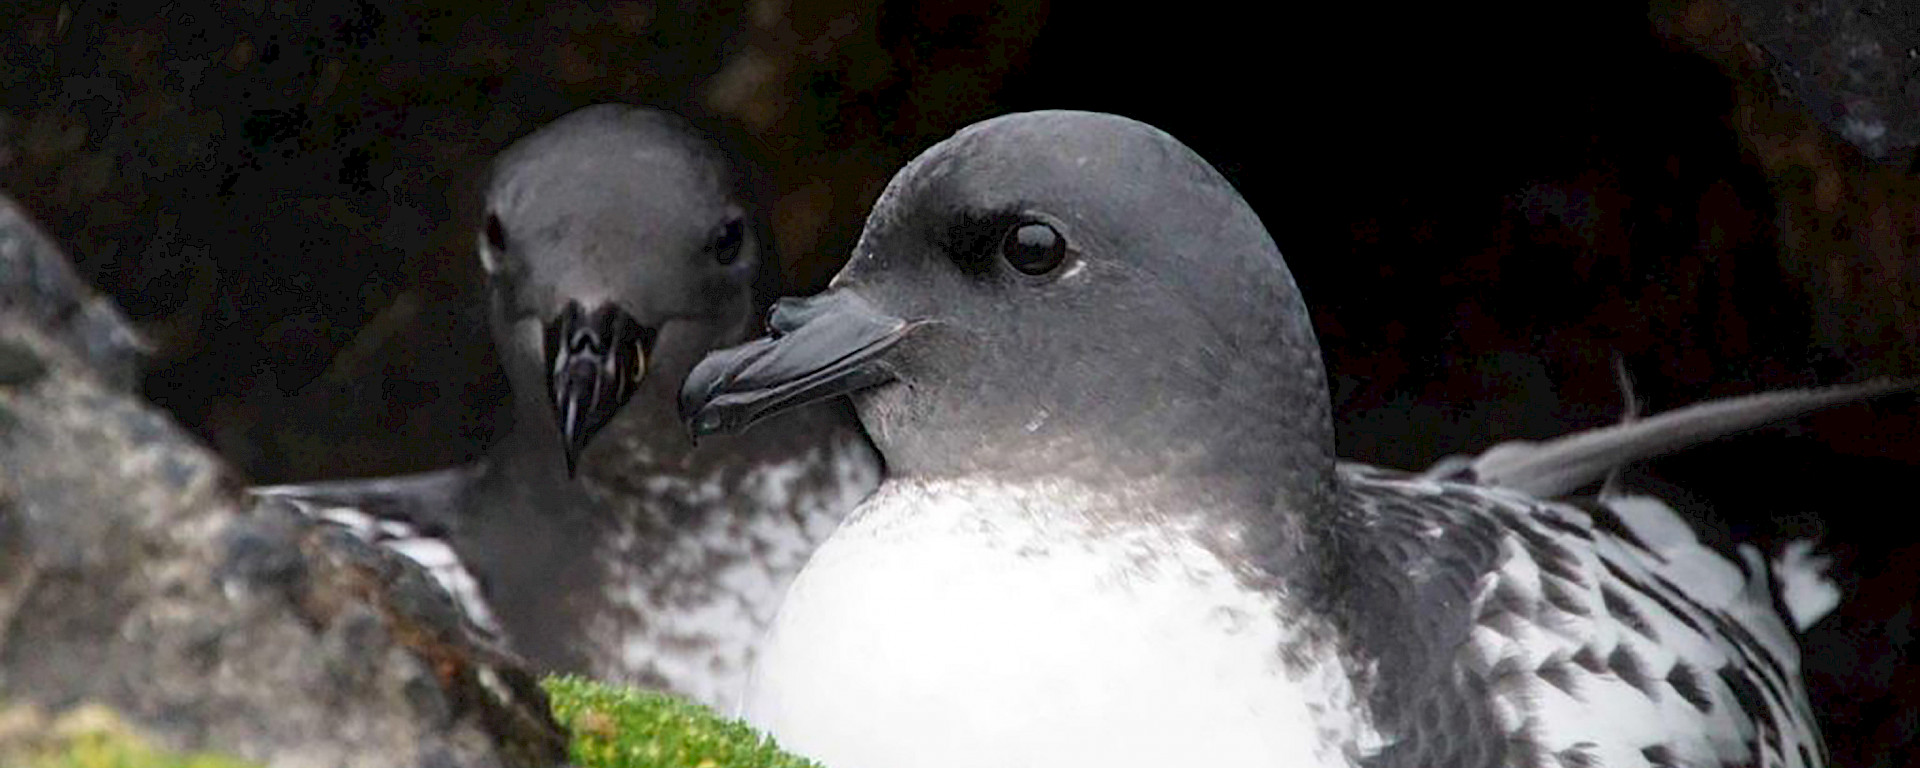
x: 410, y: 514
x: 425, y: 501
x: 1512, y: 631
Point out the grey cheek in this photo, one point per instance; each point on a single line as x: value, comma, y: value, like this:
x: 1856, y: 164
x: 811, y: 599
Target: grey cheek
x: 525, y: 335
x: 881, y: 408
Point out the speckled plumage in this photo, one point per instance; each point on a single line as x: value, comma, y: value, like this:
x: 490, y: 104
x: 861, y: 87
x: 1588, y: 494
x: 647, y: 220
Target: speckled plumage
x: 1574, y: 644
x: 693, y: 563
x: 667, y: 579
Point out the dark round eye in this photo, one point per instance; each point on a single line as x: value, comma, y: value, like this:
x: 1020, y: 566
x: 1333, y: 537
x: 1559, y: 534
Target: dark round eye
x: 496, y: 234
x: 1034, y: 248
x: 727, y: 241
x: 495, y: 247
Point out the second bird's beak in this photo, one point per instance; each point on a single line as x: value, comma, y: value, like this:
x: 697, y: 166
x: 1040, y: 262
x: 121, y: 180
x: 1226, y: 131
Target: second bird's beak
x: 595, y: 360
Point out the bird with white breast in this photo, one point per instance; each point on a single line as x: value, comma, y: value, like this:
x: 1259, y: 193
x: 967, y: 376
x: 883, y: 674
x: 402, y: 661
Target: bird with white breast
x: 1113, y: 530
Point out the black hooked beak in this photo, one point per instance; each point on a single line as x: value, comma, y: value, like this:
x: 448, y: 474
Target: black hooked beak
x: 594, y: 364
x: 819, y: 347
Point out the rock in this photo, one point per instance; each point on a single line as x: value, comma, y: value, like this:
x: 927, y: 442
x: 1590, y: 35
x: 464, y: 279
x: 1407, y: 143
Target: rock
x: 134, y: 573
x: 1852, y: 62
x: 1817, y: 86
x: 38, y: 285
x: 88, y: 735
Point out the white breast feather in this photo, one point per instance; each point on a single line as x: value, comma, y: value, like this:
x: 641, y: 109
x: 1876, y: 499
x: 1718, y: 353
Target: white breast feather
x: 964, y: 624
x: 702, y: 643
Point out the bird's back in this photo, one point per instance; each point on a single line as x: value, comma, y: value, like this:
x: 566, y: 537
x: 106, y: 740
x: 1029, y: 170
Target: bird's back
x: 1514, y: 631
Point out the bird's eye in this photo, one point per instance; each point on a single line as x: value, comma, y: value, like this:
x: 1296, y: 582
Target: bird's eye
x: 495, y: 245
x: 1033, y: 247
x: 727, y: 241
x: 496, y: 233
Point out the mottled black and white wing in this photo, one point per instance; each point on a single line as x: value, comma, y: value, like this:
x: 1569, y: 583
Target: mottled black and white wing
x: 1594, y: 635
x: 409, y: 514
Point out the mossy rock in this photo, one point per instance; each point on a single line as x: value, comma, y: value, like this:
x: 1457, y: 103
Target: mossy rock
x: 90, y: 736
x: 617, y: 727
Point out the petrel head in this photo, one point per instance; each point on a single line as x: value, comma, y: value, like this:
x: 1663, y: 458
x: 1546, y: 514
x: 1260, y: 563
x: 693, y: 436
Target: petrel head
x: 619, y: 246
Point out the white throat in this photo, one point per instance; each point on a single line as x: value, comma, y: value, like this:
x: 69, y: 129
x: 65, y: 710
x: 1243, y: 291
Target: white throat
x: 963, y: 623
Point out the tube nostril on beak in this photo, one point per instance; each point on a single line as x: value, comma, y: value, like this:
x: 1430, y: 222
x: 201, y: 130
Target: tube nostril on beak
x: 595, y: 361
x: 790, y: 313
x: 780, y: 318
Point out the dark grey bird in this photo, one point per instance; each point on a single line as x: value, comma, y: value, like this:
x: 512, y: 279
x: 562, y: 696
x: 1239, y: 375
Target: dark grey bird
x: 1114, y: 532
x: 621, y: 244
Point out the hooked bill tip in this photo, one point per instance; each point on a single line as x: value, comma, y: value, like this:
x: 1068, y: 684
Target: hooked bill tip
x: 595, y: 361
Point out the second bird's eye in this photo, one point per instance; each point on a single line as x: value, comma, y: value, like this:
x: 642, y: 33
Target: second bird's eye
x: 496, y: 234
x: 1034, y: 248
x: 727, y: 241
x: 496, y: 243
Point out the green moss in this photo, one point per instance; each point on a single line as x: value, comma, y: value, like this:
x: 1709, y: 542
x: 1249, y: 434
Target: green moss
x: 616, y: 727
x: 612, y: 726
x: 87, y: 737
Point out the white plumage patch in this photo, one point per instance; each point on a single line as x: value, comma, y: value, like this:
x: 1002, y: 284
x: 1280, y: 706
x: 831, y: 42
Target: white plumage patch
x: 963, y: 623
x: 1804, y: 587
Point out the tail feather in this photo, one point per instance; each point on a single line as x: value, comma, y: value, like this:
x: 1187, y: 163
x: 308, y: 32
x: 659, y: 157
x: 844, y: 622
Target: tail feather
x: 1560, y: 466
x: 1795, y: 584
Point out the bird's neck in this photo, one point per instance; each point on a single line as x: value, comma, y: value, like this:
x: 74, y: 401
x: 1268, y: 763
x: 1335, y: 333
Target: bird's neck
x: 645, y: 435
x: 1248, y: 459
x: 1268, y: 502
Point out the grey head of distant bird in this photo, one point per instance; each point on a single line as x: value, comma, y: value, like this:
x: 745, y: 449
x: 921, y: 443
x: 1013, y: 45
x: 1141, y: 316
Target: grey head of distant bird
x: 598, y: 281
x: 1053, y: 293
